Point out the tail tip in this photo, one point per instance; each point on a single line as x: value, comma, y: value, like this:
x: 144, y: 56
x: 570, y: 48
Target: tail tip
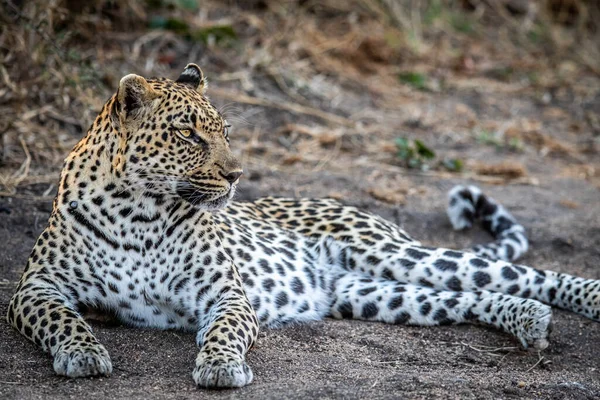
x: 461, y: 206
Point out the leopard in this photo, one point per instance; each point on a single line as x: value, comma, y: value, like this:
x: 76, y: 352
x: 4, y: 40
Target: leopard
x: 144, y: 228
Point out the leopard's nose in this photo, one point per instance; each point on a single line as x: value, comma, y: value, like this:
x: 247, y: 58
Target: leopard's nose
x: 232, y: 176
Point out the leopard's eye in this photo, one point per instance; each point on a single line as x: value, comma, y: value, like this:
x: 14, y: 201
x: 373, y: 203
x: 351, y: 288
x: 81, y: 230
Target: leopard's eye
x: 189, y: 136
x: 186, y: 133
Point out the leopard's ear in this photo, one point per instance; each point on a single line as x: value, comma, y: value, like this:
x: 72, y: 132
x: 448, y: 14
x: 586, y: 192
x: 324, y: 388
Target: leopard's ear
x: 134, y: 93
x: 193, y: 77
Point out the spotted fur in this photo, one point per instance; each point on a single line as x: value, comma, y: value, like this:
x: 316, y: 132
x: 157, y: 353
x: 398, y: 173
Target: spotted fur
x: 139, y: 229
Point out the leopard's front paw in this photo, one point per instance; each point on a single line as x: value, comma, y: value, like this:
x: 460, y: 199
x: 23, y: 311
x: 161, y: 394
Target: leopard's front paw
x: 221, y: 373
x: 80, y: 360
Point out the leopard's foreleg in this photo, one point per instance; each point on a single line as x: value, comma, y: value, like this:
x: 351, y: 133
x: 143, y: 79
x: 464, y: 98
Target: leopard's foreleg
x: 47, y: 317
x: 228, y: 330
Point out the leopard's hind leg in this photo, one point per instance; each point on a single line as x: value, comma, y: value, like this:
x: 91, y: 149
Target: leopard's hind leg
x: 48, y: 318
x: 379, y: 248
x: 486, y: 268
x: 445, y: 269
x: 375, y: 299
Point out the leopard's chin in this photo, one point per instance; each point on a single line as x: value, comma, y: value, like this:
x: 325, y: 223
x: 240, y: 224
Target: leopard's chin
x: 202, y: 200
x: 216, y: 204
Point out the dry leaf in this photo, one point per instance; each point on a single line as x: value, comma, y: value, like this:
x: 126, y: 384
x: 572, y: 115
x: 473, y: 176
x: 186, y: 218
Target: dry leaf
x: 569, y: 204
x: 555, y: 112
x: 388, y: 148
x: 336, y: 195
x: 507, y: 170
x: 327, y: 138
x: 291, y: 159
x: 388, y: 195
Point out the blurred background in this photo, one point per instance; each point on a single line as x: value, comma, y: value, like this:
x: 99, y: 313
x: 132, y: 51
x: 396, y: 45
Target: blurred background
x: 487, y: 90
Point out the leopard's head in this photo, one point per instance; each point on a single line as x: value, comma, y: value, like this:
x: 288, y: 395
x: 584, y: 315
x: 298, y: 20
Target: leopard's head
x: 174, y: 142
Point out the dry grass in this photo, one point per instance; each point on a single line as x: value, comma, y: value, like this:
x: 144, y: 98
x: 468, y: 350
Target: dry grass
x: 334, y: 66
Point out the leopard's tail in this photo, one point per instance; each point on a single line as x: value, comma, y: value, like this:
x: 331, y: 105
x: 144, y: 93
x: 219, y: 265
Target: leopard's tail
x: 467, y: 204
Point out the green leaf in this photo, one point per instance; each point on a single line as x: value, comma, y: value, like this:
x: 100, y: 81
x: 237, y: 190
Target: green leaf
x: 488, y: 137
x: 461, y: 23
x: 221, y: 34
x: 406, y: 154
x: 414, y: 153
x: 516, y: 144
x: 171, y: 24
x: 423, y: 150
x: 405, y: 151
x: 432, y: 12
x: 178, y: 26
x: 157, y: 22
x: 402, y: 142
x: 191, y: 5
x: 414, y: 79
x: 453, y: 164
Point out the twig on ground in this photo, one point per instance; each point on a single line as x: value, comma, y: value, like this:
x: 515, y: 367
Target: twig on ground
x: 489, y: 349
x: 540, y: 359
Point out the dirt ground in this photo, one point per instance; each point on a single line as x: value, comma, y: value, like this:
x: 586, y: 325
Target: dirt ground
x: 531, y: 143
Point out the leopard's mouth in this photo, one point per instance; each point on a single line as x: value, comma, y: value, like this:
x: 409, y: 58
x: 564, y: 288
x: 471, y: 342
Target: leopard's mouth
x: 208, y: 201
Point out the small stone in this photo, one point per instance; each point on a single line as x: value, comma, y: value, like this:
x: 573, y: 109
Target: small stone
x: 521, y: 384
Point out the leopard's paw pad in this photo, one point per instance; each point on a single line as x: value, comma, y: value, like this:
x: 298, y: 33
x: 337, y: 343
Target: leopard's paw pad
x: 222, y: 374
x: 76, y: 362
